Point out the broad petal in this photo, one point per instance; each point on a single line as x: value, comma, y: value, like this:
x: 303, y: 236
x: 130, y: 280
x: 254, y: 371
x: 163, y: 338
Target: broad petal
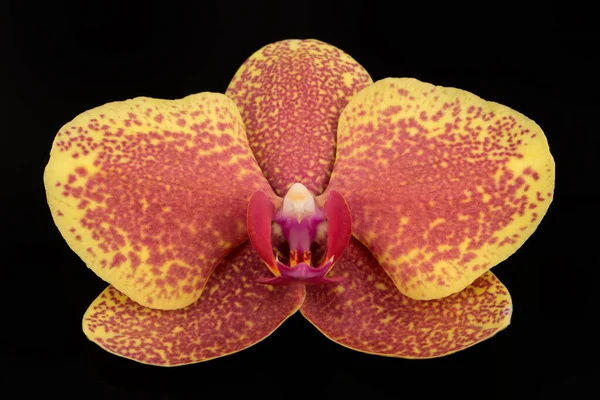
x: 441, y: 184
x: 152, y: 194
x: 366, y: 312
x: 290, y: 94
x: 233, y: 313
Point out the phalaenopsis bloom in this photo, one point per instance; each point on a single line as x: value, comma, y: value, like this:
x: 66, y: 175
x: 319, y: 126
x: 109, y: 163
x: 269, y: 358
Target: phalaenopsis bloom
x: 376, y: 210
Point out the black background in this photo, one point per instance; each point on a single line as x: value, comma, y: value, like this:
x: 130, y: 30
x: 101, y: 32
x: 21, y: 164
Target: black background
x: 60, y: 59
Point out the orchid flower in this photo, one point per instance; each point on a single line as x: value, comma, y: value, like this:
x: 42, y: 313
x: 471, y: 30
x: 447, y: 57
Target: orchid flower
x: 375, y: 209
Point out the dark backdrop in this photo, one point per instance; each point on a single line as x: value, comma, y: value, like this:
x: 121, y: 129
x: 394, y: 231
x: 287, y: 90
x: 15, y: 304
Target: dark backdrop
x: 61, y: 59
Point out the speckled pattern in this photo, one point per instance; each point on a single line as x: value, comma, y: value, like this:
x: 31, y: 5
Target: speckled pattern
x: 434, y: 184
x: 233, y: 313
x: 365, y: 312
x: 290, y: 94
x: 136, y: 189
x: 441, y: 184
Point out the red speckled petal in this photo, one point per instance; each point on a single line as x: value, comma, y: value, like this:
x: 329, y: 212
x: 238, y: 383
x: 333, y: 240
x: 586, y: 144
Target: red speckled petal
x: 261, y: 212
x: 152, y: 194
x: 339, y: 226
x: 441, y: 184
x: 365, y: 312
x: 233, y: 313
x: 290, y: 94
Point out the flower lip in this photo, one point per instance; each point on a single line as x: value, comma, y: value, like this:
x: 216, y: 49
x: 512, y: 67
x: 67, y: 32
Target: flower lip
x: 302, y: 273
x: 300, y: 218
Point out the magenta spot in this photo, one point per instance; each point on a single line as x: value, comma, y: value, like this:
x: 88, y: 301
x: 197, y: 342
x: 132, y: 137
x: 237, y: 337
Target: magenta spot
x: 539, y: 197
x: 76, y: 192
x: 181, y: 122
x: 159, y: 118
x: 223, y: 126
x: 506, y: 240
x: 78, y: 237
x: 83, y: 204
x: 117, y: 260
x: 391, y: 111
x: 135, y: 259
x: 437, y: 116
x: 59, y: 213
x: 468, y: 257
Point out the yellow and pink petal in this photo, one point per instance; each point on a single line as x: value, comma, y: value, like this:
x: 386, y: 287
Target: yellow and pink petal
x: 366, y: 312
x: 290, y: 94
x: 441, y: 184
x: 233, y: 313
x: 152, y: 194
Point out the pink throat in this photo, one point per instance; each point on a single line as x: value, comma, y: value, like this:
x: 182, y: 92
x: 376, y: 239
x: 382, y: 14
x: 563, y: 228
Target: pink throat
x: 300, y: 227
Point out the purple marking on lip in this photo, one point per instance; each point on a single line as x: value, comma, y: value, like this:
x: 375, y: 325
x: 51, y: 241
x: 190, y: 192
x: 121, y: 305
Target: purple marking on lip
x: 301, y: 273
x: 300, y: 235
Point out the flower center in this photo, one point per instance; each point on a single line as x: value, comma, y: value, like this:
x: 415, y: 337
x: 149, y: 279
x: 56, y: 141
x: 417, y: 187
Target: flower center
x: 299, y: 221
x: 307, y: 239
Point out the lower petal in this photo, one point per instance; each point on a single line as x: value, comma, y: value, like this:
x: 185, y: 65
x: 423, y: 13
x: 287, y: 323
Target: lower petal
x: 366, y: 312
x: 233, y: 313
